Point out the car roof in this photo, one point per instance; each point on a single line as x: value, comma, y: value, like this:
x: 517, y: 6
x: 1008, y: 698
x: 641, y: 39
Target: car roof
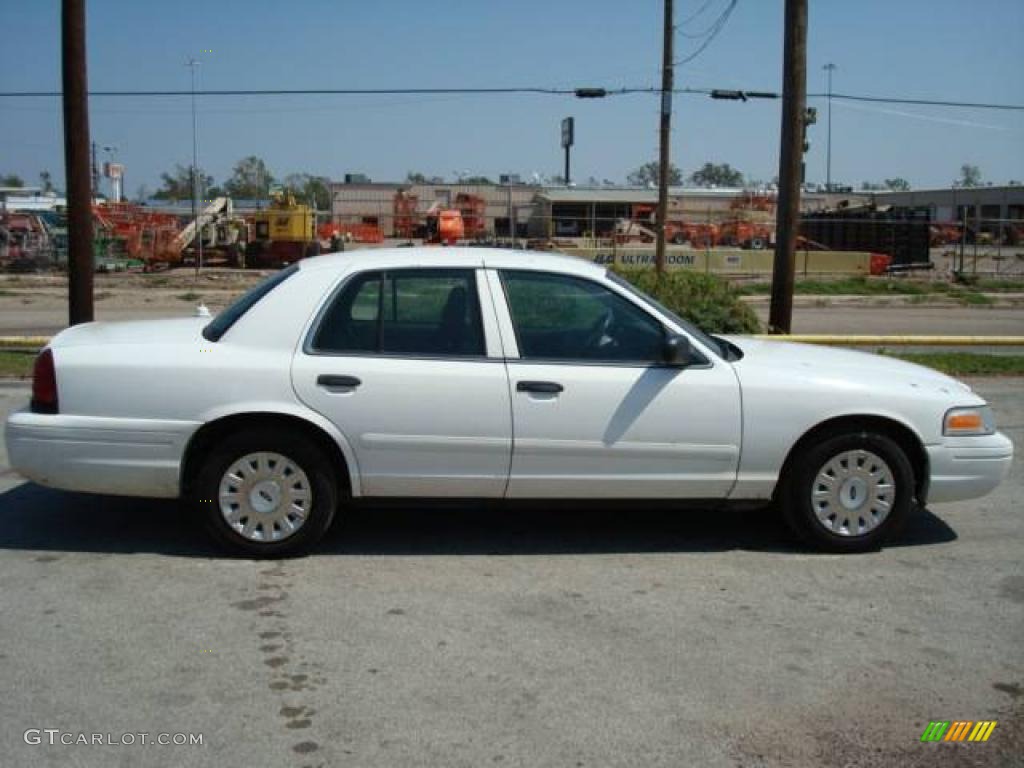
x: 464, y: 257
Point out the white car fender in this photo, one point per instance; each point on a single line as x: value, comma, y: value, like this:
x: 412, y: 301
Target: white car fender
x: 298, y: 411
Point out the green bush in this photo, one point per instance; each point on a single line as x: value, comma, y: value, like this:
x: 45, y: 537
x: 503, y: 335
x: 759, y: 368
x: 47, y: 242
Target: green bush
x: 709, y: 301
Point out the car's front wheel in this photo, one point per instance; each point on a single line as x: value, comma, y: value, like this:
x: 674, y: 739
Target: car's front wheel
x: 849, y: 492
x: 266, y: 494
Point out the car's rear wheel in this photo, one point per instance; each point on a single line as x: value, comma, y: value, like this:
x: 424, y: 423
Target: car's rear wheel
x: 849, y: 492
x: 265, y: 494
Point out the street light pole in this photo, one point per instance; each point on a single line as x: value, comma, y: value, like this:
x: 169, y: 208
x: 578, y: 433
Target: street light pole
x: 830, y: 68
x: 196, y: 176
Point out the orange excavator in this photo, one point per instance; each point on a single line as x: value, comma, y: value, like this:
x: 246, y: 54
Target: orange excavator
x: 444, y: 225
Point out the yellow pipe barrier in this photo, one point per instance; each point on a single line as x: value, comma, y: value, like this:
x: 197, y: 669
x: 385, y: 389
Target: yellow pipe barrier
x: 30, y: 343
x: 898, y: 341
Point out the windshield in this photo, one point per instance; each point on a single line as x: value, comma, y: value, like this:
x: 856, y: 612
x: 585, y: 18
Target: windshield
x: 224, y: 320
x: 718, y: 345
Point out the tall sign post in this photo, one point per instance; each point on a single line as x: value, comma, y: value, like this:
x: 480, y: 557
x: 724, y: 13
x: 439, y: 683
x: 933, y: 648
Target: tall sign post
x: 568, y: 138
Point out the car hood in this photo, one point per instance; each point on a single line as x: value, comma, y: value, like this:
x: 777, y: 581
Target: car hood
x: 175, y: 330
x: 824, y: 363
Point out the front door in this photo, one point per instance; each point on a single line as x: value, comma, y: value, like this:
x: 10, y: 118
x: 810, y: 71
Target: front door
x: 399, y: 363
x: 595, y: 412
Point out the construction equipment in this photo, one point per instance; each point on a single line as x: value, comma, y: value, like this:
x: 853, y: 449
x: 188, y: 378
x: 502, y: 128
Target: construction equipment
x: 473, y: 210
x: 745, y: 234
x: 283, y: 233
x: 697, y: 235
x: 223, y: 234
x: 627, y: 230
x: 444, y: 225
x: 404, y: 208
x: 26, y: 243
x: 126, y: 234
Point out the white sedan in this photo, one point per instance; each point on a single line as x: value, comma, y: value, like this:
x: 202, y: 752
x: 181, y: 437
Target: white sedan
x: 483, y: 373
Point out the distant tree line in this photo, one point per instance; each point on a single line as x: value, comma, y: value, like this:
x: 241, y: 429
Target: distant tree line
x: 250, y: 179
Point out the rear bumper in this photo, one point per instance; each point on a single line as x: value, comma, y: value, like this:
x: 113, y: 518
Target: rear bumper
x: 968, y: 467
x: 124, y: 457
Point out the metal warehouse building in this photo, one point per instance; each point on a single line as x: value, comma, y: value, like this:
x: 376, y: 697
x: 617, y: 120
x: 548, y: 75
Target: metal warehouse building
x: 572, y: 212
x: 984, y: 207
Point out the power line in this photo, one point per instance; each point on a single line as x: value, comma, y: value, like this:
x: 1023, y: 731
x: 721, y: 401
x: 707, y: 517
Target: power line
x: 695, y: 14
x: 920, y: 102
x: 712, y: 32
x: 526, y: 90
x: 714, y: 27
x: 578, y: 92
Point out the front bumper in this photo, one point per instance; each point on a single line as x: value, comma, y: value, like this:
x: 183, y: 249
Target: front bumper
x: 968, y: 467
x: 123, y: 457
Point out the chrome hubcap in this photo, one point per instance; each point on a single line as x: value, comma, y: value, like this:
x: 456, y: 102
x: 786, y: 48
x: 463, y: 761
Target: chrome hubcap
x: 265, y: 497
x: 853, y: 493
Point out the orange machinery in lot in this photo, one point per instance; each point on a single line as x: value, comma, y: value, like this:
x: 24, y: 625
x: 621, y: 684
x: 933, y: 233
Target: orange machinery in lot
x: 441, y: 223
x: 139, y: 232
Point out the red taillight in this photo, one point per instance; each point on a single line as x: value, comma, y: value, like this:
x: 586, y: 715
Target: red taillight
x: 44, y: 384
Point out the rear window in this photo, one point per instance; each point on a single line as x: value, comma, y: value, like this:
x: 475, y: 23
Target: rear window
x: 224, y: 320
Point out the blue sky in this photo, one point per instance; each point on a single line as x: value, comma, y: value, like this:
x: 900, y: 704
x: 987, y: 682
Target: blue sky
x: 923, y: 48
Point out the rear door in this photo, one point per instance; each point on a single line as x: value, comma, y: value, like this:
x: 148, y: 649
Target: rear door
x: 596, y: 414
x: 408, y: 366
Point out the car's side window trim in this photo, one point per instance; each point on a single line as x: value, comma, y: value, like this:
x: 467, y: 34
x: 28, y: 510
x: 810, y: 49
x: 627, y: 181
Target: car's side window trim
x: 309, y: 347
x: 704, y: 361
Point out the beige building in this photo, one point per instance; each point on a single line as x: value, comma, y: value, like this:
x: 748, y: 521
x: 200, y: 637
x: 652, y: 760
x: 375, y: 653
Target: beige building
x: 393, y: 206
x: 537, y: 211
x: 575, y: 211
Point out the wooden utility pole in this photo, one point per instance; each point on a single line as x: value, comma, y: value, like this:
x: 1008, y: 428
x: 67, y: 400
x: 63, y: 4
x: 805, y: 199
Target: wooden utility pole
x: 664, y: 160
x: 791, y: 155
x: 76, y: 162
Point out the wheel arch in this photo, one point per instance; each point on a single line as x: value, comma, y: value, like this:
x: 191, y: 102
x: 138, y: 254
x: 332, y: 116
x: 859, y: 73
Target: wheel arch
x: 332, y: 442
x: 900, y: 433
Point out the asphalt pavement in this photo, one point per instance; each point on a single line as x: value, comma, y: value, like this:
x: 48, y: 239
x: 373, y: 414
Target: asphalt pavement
x: 472, y: 636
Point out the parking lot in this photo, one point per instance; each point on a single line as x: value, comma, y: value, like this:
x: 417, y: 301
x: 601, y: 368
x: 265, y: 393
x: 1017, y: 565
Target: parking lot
x: 478, y: 635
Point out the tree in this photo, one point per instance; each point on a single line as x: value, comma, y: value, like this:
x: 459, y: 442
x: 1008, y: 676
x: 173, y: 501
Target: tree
x: 898, y: 183
x: 415, y: 177
x: 250, y: 179
x: 647, y: 176
x: 970, y: 176
x: 475, y: 180
x: 177, y: 185
x: 309, y: 189
x: 872, y: 186
x: 46, y: 182
x: 11, y: 180
x: 713, y: 175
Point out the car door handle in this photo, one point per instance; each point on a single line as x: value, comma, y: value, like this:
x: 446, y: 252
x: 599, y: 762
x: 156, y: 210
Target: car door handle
x: 330, y: 381
x: 543, y: 387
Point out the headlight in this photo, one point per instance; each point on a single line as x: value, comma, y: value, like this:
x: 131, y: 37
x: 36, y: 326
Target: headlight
x: 978, y: 420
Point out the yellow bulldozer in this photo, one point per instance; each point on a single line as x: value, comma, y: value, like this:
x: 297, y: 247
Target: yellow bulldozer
x: 282, y: 234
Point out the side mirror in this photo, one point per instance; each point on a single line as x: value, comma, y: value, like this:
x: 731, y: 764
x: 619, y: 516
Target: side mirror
x: 677, y: 350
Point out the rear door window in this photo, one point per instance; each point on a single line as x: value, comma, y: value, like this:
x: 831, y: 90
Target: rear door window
x: 414, y: 312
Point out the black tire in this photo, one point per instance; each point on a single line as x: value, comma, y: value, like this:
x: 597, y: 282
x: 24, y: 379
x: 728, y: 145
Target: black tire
x: 799, y: 483
x: 305, y: 454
